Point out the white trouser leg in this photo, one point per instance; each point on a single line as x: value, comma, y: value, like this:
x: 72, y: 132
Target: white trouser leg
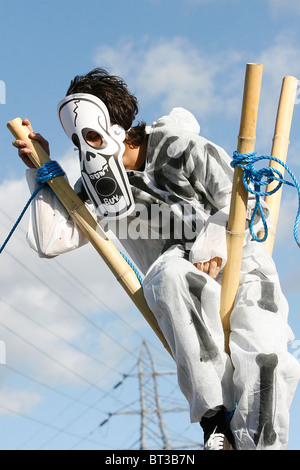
x: 265, y: 375
x: 185, y: 302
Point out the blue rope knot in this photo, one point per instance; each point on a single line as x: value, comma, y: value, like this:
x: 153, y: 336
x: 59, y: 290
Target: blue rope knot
x: 263, y: 177
x: 46, y: 172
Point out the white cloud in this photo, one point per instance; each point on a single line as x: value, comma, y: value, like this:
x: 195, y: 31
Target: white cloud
x: 169, y: 73
x: 61, y: 315
x: 279, y: 7
x: 280, y: 59
x: 17, y: 401
x: 173, y: 73
x: 288, y: 211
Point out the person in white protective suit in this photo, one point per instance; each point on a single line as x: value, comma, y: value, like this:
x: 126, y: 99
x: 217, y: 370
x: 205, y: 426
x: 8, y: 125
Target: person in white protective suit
x: 169, y: 210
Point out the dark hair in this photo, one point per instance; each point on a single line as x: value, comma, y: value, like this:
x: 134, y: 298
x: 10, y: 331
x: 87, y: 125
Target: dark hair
x: 112, y: 90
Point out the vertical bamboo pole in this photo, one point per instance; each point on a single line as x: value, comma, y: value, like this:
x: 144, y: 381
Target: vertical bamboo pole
x: 92, y: 230
x: 239, y: 198
x: 280, y: 149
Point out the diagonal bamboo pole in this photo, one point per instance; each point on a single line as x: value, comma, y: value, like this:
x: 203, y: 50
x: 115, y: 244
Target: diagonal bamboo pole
x: 280, y: 149
x: 89, y: 226
x: 239, y: 198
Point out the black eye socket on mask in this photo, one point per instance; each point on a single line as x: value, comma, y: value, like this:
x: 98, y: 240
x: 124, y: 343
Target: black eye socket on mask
x: 76, y: 141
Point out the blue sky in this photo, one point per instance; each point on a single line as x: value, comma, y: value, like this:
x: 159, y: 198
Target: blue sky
x: 66, y: 348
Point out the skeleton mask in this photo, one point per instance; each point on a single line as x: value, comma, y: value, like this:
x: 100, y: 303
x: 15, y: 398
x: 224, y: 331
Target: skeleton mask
x: 86, y: 121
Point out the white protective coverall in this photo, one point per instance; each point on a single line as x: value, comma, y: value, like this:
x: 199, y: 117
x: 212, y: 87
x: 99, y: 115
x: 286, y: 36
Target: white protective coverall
x: 182, y: 201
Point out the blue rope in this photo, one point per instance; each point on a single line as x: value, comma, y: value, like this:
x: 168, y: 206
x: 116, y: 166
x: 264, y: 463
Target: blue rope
x: 255, y: 177
x: 46, y: 172
x: 133, y: 267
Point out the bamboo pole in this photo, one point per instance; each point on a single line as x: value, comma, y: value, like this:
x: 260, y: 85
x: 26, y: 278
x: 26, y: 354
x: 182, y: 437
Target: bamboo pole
x: 89, y: 226
x: 279, y: 150
x: 239, y: 198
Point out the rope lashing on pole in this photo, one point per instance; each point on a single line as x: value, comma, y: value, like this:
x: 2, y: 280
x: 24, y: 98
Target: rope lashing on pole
x: 263, y: 177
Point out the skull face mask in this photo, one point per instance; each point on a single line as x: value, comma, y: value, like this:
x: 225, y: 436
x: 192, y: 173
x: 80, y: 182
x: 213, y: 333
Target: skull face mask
x: 86, y: 121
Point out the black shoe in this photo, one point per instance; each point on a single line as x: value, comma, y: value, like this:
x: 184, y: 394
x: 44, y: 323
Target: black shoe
x: 217, y: 432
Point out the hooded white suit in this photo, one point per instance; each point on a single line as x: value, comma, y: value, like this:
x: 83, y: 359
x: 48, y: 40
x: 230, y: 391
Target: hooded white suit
x: 182, y: 199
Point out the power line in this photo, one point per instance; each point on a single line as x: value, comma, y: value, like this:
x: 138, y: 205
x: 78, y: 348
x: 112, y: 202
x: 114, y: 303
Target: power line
x: 81, y: 414
x: 47, y: 425
x: 69, y: 304
x: 56, y: 361
x: 52, y: 389
x: 74, y: 346
x: 73, y: 280
x: 53, y: 359
x: 88, y: 407
x: 77, y: 418
x: 83, y: 289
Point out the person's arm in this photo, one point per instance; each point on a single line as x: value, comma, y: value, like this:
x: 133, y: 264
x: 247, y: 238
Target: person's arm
x: 197, y: 171
x: 210, y: 174
x: 51, y: 230
x: 215, y: 174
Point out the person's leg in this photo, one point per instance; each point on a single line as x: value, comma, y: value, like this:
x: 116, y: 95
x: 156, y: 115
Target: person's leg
x: 185, y: 302
x: 265, y: 374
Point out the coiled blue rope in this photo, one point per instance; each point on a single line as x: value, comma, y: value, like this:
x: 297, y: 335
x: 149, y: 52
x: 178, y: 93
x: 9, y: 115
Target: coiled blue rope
x: 46, y: 172
x: 255, y: 177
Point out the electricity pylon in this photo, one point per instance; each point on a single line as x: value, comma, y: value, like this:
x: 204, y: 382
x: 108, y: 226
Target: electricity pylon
x: 153, y: 430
